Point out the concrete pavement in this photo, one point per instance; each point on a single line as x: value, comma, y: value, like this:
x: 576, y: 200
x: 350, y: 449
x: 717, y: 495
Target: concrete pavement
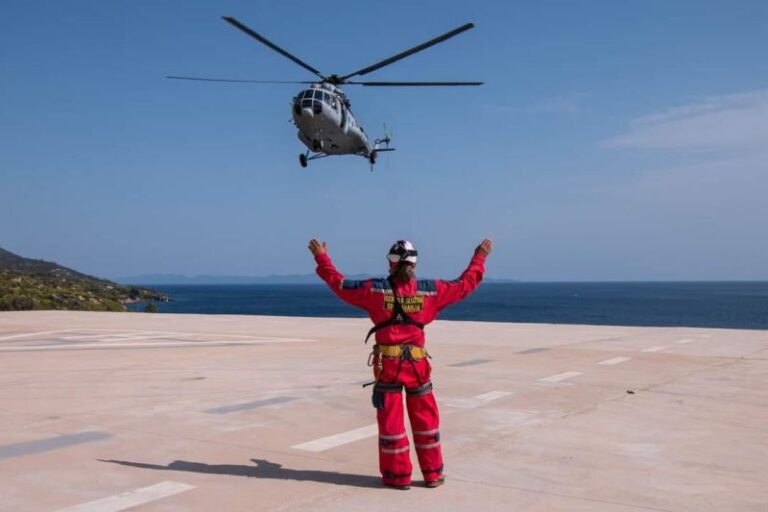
x: 118, y: 411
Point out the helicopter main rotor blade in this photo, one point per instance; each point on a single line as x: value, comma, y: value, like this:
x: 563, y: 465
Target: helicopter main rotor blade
x: 267, y: 42
x: 236, y: 80
x: 415, y: 49
x: 413, y: 84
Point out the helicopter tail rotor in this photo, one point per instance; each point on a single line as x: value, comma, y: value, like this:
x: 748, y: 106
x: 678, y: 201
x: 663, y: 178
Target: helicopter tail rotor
x: 376, y: 148
x: 386, y: 139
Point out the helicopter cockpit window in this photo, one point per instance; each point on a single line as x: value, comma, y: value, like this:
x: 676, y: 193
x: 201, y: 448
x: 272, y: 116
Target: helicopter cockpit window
x: 305, y: 98
x: 327, y: 98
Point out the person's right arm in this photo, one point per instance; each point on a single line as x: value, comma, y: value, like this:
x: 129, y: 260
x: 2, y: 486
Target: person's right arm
x: 350, y: 291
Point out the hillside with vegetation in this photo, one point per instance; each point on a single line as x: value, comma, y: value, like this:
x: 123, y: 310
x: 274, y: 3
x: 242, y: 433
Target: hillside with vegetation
x: 37, y: 284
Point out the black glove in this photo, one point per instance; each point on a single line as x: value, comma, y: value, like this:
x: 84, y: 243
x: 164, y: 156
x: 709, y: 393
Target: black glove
x: 377, y: 398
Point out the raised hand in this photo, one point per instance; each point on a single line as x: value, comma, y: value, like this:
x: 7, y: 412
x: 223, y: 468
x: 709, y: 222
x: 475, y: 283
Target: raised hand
x: 485, y: 247
x: 316, y: 247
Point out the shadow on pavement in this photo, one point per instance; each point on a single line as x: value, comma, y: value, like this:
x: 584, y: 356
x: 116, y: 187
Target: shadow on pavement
x: 262, y: 469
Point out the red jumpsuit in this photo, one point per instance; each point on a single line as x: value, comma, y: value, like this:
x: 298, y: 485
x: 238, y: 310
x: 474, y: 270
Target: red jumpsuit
x: 421, y: 300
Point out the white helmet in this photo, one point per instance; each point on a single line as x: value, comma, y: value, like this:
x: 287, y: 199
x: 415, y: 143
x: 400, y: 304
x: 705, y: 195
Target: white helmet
x: 402, y: 250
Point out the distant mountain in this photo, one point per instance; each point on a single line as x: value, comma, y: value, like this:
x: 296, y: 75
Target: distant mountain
x: 158, y: 279
x: 13, y: 262
x: 38, y: 284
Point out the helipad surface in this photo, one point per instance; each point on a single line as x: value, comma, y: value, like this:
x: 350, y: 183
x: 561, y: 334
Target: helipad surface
x: 118, y: 411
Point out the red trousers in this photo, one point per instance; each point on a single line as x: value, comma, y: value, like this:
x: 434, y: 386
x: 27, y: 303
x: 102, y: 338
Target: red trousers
x: 394, y: 450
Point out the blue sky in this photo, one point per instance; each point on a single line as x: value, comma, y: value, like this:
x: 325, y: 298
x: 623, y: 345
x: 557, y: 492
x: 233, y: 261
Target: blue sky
x: 611, y: 141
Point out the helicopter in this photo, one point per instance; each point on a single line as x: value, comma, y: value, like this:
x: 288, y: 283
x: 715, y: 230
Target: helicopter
x: 323, y: 113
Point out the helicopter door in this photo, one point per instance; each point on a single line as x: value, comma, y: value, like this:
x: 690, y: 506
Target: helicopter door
x: 343, y: 122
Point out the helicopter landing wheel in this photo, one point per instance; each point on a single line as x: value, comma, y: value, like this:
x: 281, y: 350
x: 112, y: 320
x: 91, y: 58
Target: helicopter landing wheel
x: 303, y: 160
x: 372, y: 157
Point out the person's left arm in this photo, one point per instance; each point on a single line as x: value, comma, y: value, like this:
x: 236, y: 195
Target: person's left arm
x: 450, y: 292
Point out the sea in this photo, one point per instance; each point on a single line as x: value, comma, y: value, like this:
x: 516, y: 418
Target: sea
x: 733, y: 305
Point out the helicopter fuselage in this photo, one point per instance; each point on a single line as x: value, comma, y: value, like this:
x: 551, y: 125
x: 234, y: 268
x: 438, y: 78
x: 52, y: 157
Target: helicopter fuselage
x: 322, y: 111
x: 325, y: 121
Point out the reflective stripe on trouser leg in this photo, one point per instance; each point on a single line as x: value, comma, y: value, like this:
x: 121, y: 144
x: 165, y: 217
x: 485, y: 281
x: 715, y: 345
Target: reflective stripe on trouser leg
x: 425, y: 421
x: 394, y: 451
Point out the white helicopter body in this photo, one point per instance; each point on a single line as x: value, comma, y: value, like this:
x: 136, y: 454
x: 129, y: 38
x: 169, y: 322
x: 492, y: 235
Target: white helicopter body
x: 322, y: 112
x: 326, y: 123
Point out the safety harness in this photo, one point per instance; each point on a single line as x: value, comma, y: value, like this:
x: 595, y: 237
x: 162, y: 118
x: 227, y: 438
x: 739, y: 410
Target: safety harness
x: 399, y: 316
x: 403, y: 352
x: 379, y: 388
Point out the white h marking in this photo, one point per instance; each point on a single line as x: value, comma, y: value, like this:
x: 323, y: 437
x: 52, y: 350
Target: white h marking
x: 655, y: 349
x: 29, y: 334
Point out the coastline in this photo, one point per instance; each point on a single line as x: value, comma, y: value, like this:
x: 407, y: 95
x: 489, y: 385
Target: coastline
x: 735, y: 305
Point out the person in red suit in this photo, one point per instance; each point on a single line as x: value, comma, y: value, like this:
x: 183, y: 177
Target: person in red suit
x: 400, y: 306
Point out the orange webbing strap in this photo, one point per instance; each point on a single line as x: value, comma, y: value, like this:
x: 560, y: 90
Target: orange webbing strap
x: 397, y: 351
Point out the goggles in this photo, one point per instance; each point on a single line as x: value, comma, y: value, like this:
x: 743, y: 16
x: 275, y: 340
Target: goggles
x: 403, y: 250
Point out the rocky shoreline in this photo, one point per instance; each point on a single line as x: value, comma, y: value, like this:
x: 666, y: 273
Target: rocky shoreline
x: 27, y: 284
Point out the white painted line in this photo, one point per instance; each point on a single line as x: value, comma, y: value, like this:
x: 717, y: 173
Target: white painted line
x: 235, y: 428
x: 491, y: 395
x: 216, y: 334
x: 83, y: 337
x: 165, y: 334
x: 560, y: 377
x: 91, y: 330
x: 615, y: 360
x: 128, y: 499
x: 477, y: 401
x: 30, y: 334
x: 326, y: 443
x: 156, y: 336
x: 655, y: 349
x: 683, y: 342
x: 206, y: 342
x: 106, y: 338
x: 159, y: 344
